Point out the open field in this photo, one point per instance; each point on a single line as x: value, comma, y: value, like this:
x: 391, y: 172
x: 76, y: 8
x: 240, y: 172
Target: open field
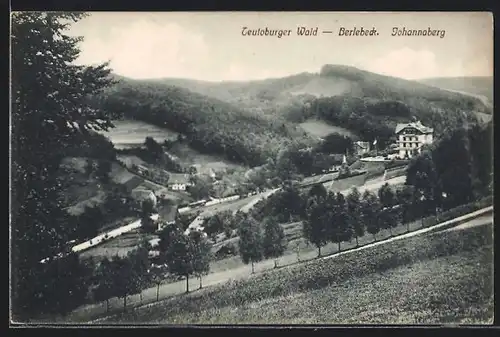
x: 132, y: 133
x: 120, y: 245
x: 322, y: 129
x: 188, y: 156
x: 445, y: 277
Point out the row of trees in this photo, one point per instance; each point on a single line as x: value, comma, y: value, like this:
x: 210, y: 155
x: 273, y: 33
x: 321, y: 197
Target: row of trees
x: 333, y: 217
x: 181, y: 255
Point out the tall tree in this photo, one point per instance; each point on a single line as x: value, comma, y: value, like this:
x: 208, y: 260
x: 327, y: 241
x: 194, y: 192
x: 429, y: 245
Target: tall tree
x: 274, y: 241
x: 147, y: 209
x: 422, y: 175
x: 104, y: 282
x: 140, y: 266
x: 338, y: 229
x: 124, y: 282
x: 314, y: 228
x: 50, y: 108
x: 201, y: 254
x: 354, y: 213
x: 370, y: 211
x: 388, y: 217
x: 453, y: 163
x: 179, y: 257
x: 157, y: 274
x: 404, y: 198
x: 250, y: 244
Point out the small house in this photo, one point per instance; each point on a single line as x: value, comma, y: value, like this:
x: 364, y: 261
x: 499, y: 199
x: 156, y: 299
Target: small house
x: 140, y: 194
x: 178, y: 181
x: 361, y: 147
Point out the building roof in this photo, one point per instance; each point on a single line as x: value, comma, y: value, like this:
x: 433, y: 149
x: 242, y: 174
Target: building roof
x: 168, y: 213
x: 142, y: 193
x: 417, y: 125
x: 363, y: 145
x: 178, y: 178
x: 133, y: 183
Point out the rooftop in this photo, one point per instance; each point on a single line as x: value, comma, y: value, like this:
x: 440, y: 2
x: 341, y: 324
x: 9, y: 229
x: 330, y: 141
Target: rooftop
x: 417, y: 125
x: 133, y: 183
x: 178, y: 178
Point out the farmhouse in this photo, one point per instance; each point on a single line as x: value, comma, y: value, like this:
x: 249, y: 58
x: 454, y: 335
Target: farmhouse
x: 141, y: 194
x: 178, y: 181
x: 361, y: 147
x: 411, y: 138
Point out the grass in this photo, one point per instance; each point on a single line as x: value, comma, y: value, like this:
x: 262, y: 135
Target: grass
x: 120, y: 245
x: 440, y: 278
x: 132, y: 133
x: 322, y: 129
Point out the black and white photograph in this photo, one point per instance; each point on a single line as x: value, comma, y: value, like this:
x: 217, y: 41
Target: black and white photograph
x: 243, y: 168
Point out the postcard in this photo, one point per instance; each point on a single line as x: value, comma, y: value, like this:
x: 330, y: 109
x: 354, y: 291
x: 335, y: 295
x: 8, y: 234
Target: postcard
x: 235, y: 168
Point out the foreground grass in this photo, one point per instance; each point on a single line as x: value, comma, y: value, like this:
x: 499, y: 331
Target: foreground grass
x: 439, y: 278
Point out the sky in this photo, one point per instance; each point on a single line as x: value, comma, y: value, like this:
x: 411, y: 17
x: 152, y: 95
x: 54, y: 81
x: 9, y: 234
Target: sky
x: 210, y: 46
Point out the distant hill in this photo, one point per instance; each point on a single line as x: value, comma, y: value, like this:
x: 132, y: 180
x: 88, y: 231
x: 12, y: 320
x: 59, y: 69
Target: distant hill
x: 476, y: 85
x: 208, y: 124
x: 250, y: 121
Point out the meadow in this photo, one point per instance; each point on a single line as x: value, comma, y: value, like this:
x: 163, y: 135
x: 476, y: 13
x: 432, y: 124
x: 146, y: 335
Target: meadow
x: 132, y: 133
x: 444, y: 277
x: 320, y: 129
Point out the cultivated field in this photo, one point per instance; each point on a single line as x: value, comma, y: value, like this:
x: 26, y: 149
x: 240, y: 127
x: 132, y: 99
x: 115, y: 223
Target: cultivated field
x: 445, y: 277
x: 131, y: 133
x: 321, y: 129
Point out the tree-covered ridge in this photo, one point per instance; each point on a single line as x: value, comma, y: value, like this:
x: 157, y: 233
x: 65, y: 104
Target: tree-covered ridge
x: 209, y: 125
x: 366, y: 103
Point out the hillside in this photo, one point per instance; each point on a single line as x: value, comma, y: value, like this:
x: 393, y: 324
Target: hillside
x: 476, y: 85
x: 207, y: 124
x: 365, y: 103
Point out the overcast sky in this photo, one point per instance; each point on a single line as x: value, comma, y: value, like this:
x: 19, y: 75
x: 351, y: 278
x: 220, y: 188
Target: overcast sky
x: 209, y: 46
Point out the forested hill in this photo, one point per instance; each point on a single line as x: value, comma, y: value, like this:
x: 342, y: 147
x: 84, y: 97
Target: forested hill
x: 208, y: 124
x: 332, y: 80
x: 249, y: 122
x: 366, y: 103
x: 475, y: 85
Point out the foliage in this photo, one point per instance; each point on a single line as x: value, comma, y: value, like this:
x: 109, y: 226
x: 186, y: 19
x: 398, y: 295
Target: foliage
x: 44, y: 124
x: 251, y: 241
x: 315, y: 226
x: 209, y: 125
x: 370, y: 211
x: 353, y: 201
x: 201, y: 254
x: 274, y: 241
x: 339, y: 228
x: 179, y: 256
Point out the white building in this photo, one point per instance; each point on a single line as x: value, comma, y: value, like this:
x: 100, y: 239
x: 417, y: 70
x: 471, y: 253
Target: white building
x: 411, y: 138
x: 178, y: 181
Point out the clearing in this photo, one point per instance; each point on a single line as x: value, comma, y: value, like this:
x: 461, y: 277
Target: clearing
x: 322, y: 129
x: 131, y: 133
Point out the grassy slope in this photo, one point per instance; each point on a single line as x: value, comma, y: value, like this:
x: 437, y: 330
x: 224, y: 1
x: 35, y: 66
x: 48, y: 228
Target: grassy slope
x: 440, y: 278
